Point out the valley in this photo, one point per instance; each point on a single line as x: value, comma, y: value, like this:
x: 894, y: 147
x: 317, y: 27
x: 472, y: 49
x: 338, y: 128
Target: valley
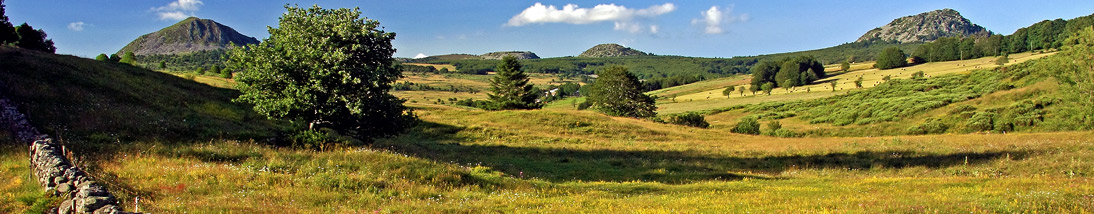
x: 320, y: 118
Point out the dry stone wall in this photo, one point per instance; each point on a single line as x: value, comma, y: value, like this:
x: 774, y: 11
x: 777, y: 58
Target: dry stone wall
x: 54, y: 171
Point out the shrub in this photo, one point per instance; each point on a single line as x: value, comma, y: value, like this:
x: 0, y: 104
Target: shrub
x: 981, y: 121
x: 773, y: 127
x: 747, y: 125
x: 689, y: 119
x: 931, y: 126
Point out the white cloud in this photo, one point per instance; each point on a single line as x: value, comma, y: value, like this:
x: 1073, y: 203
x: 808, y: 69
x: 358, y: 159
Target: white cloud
x: 420, y: 55
x: 178, y: 10
x: 714, y: 19
x: 76, y: 26
x: 624, y: 18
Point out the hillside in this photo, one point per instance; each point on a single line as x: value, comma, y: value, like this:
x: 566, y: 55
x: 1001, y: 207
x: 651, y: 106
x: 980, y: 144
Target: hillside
x: 517, y: 54
x: 611, y: 50
x: 83, y: 100
x: 186, y: 36
x: 925, y: 27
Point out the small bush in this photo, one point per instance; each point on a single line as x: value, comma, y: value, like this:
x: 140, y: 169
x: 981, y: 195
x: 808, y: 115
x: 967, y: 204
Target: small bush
x: 980, y: 121
x: 931, y: 126
x: 773, y: 127
x: 690, y: 119
x: 747, y: 125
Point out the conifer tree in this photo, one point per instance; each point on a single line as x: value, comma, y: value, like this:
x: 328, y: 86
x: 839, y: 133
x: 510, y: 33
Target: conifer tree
x: 510, y: 88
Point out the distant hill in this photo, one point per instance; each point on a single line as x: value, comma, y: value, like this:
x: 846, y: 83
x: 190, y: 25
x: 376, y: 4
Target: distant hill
x: 611, y: 50
x: 925, y: 27
x: 189, y: 35
x: 517, y: 54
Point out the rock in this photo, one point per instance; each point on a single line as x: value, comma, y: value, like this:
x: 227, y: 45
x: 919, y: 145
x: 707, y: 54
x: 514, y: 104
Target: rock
x: 611, y: 50
x: 925, y: 27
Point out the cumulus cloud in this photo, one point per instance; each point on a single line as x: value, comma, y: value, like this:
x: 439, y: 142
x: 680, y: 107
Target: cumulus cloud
x: 624, y: 18
x: 178, y: 10
x: 76, y: 26
x: 715, y: 19
x: 420, y: 55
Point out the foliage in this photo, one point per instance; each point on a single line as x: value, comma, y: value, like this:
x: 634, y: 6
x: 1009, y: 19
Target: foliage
x: 845, y: 66
x: 329, y: 68
x: 858, y: 82
x: 617, y: 92
x: 692, y: 119
x: 891, y: 58
x: 510, y: 88
x: 128, y: 58
x: 23, y: 36
x: 767, y: 88
x: 184, y: 61
x: 1002, y: 60
x: 729, y: 90
x: 747, y: 125
x: 102, y: 57
x: 787, y: 72
x: 773, y: 127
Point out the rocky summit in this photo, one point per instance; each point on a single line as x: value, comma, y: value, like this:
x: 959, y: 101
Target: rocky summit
x: 611, y: 50
x: 189, y: 35
x: 925, y: 27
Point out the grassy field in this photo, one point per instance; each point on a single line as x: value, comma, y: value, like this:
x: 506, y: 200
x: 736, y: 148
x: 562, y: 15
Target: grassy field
x: 182, y: 146
x: 470, y: 86
x: 708, y: 96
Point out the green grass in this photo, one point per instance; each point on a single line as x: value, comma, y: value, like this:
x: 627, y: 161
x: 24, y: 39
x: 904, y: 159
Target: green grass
x: 555, y: 160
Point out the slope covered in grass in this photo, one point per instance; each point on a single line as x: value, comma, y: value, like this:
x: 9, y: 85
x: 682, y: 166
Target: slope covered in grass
x: 80, y: 99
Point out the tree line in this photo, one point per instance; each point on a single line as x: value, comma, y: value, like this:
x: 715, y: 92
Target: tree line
x: 786, y: 73
x: 23, y: 36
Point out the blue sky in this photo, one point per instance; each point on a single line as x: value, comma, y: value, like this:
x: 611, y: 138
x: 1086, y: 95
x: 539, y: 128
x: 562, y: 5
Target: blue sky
x: 664, y: 27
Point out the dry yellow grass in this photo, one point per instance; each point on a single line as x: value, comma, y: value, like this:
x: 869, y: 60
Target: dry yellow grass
x: 712, y: 98
x: 451, y: 68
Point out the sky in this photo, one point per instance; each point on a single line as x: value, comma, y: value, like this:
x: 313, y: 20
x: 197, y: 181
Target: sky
x: 548, y: 28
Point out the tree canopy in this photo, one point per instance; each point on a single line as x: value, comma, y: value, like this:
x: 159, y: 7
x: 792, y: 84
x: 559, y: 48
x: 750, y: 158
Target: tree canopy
x: 510, y: 88
x: 23, y: 36
x: 891, y: 58
x: 788, y: 72
x: 617, y: 92
x: 328, y: 68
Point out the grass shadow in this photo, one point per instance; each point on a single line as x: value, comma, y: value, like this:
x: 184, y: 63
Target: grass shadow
x: 441, y: 142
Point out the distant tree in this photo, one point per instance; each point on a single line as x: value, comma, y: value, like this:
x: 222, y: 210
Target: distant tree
x: 225, y: 74
x: 833, y: 84
x: 763, y: 72
x: 741, y: 89
x: 129, y: 58
x: 329, y: 68
x: 163, y: 65
x: 845, y: 66
x: 7, y: 30
x: 215, y: 70
x: 747, y: 125
x: 789, y: 74
x: 891, y: 57
x: 617, y: 92
x: 102, y: 57
x: 729, y: 91
x: 1002, y: 60
x: 32, y: 39
x: 887, y: 78
x: 858, y: 82
x: 115, y: 58
x: 789, y: 84
x: 510, y: 88
x: 201, y: 71
x: 767, y: 88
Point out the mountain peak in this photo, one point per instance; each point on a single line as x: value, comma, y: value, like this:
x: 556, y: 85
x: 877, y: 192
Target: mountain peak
x: 926, y: 27
x: 189, y: 35
x: 611, y: 50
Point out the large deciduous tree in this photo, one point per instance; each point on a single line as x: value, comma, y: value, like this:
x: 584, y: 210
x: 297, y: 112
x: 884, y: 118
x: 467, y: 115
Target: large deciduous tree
x: 328, y: 68
x: 891, y: 57
x: 617, y: 92
x: 510, y: 88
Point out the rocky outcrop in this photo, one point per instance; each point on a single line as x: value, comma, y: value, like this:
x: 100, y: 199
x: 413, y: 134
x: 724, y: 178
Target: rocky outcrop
x: 517, y: 54
x: 54, y: 171
x: 611, y: 50
x: 925, y: 27
x: 189, y: 35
